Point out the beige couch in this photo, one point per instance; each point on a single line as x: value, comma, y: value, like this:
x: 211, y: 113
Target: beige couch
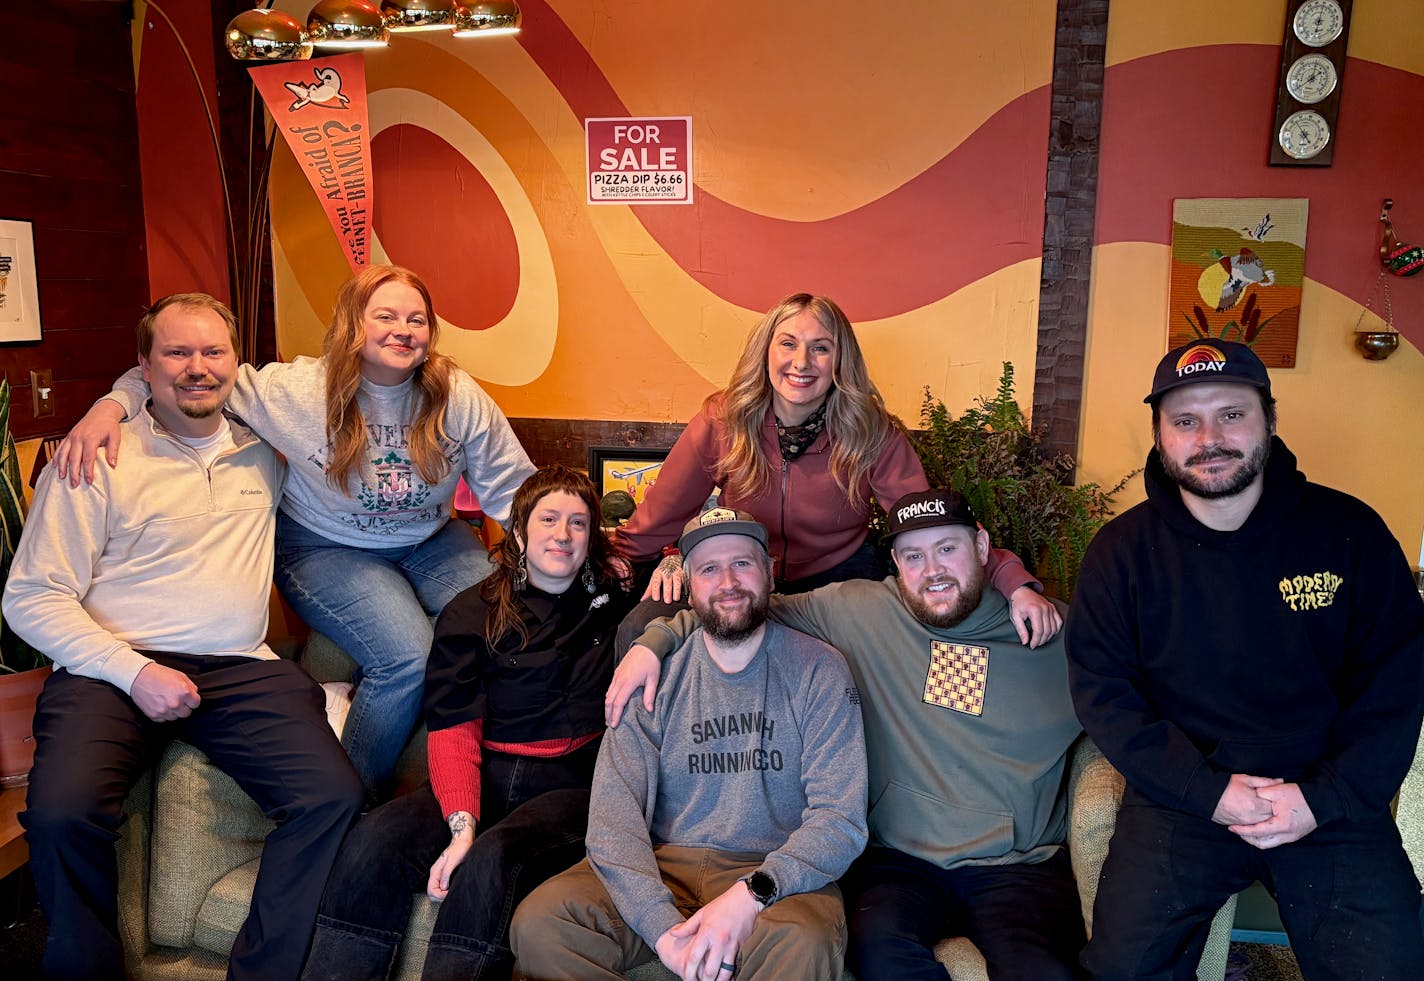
x: 188, y: 857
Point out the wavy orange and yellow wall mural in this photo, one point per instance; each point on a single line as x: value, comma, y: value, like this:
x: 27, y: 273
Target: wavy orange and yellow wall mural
x: 910, y: 190
x: 894, y: 158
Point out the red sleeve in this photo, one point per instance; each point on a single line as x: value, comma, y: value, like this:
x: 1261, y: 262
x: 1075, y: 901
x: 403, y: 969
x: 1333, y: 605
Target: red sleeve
x: 1006, y: 572
x: 682, y: 486
x: 455, y: 767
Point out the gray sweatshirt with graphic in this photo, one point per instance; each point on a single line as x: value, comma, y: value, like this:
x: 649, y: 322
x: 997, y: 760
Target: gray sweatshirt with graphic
x: 387, y: 504
x: 769, y: 760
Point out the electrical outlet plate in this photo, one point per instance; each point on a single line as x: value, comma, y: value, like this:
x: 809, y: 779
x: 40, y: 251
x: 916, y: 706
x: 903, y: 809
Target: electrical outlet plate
x: 42, y: 392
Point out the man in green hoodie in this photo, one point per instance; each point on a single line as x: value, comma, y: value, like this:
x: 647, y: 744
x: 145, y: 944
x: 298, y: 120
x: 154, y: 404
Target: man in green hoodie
x: 967, y: 734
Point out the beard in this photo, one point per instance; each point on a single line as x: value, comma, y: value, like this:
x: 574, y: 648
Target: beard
x: 966, y: 600
x: 735, y: 626
x: 1224, y: 485
x: 200, y: 410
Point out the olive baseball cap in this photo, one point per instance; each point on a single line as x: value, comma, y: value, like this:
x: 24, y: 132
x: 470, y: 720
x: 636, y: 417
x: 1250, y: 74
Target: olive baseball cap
x: 720, y: 521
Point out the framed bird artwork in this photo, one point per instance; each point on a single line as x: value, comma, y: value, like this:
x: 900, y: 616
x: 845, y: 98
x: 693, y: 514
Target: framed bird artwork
x: 1237, y: 269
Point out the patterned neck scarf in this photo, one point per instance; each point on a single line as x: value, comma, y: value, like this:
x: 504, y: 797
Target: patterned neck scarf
x: 795, y: 440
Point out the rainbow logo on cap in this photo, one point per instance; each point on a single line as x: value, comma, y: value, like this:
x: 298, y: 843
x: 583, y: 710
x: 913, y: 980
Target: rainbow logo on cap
x: 1200, y: 357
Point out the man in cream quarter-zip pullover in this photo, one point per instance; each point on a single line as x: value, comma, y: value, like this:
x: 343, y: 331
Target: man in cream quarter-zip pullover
x: 149, y: 590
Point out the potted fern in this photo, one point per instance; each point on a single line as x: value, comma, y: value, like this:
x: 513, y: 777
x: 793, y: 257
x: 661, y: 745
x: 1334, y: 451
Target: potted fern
x: 991, y: 456
x: 23, y: 669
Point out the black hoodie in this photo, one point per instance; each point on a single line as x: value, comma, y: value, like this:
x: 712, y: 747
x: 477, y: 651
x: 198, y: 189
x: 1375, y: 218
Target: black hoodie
x: 1292, y: 647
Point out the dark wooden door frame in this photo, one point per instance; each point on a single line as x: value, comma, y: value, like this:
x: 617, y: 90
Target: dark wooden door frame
x: 1070, y: 203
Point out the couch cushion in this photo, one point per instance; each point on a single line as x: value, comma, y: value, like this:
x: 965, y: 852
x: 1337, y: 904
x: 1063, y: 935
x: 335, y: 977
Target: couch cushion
x: 225, y: 908
x: 204, y: 826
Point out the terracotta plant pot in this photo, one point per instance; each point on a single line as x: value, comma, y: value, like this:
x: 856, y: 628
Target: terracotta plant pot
x: 18, y: 694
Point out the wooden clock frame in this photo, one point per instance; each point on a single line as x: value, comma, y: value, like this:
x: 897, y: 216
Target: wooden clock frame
x: 1292, y: 50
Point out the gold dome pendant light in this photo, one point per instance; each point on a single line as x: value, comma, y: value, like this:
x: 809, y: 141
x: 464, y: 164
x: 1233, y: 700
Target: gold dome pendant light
x: 487, y: 19
x: 346, y: 25
x: 266, y: 35
x: 418, y: 15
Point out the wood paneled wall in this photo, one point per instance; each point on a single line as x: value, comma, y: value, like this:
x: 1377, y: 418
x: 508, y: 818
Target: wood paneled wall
x: 69, y: 163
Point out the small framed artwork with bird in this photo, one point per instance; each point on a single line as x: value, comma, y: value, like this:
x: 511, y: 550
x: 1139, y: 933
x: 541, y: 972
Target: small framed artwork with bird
x: 1237, y: 269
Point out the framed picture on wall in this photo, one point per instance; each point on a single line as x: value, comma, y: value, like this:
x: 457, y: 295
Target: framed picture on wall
x: 625, y: 469
x: 19, y: 291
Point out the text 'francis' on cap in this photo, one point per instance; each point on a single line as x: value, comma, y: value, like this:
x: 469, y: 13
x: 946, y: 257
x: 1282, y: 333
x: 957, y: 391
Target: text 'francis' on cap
x: 929, y: 509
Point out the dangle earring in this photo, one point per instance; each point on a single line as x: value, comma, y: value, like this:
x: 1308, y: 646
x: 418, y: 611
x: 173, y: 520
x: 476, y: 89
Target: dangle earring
x: 589, y: 582
x: 521, y: 574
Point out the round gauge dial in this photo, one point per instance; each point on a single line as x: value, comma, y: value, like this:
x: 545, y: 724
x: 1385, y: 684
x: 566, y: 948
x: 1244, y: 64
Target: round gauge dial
x: 1304, y: 134
x: 1318, y: 22
x: 1311, y: 79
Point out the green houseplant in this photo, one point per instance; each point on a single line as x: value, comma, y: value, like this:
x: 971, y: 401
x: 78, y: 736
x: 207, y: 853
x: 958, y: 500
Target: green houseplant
x: 991, y: 456
x: 22, y: 668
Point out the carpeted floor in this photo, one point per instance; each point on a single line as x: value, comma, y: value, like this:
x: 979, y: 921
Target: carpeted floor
x: 1261, y: 962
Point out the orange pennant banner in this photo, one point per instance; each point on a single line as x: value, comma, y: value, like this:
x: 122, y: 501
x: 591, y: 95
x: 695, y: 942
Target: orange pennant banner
x: 320, y: 108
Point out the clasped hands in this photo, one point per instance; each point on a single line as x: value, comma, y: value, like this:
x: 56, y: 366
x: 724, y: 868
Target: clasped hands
x: 704, y: 946
x: 1264, y: 811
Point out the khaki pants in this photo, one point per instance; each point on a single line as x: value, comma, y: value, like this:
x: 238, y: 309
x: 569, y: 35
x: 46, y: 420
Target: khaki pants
x: 569, y: 930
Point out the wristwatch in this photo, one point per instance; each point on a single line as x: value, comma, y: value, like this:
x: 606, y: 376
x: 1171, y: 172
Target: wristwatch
x: 762, y: 887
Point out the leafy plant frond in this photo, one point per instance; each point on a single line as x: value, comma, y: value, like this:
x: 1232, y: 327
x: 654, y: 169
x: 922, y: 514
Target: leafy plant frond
x: 1020, y: 493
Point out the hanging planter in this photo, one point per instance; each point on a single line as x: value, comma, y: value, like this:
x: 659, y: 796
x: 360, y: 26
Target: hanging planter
x: 1376, y: 345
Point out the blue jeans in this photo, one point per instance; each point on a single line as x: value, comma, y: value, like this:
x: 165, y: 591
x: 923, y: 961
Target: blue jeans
x: 378, y: 605
x: 533, y: 815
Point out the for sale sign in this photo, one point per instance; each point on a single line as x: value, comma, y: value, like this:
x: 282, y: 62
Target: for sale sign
x: 636, y: 160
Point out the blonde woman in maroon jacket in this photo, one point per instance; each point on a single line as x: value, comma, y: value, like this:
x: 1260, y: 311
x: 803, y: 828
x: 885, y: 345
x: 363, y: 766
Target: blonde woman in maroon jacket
x: 800, y: 438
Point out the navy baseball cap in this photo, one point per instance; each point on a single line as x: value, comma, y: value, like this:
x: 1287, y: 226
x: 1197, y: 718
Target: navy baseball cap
x: 929, y: 509
x: 720, y: 521
x: 1208, y: 361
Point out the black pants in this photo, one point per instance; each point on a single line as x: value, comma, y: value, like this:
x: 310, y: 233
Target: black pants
x: 533, y: 816
x: 1346, y: 892
x: 263, y: 722
x: 1025, y: 919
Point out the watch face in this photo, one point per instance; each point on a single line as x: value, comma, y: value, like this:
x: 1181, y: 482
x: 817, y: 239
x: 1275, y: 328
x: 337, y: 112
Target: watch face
x: 1311, y: 79
x: 763, y: 886
x: 1304, y: 134
x: 1318, y: 22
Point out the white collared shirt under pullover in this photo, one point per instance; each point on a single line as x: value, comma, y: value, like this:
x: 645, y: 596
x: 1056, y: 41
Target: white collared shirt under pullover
x: 160, y: 553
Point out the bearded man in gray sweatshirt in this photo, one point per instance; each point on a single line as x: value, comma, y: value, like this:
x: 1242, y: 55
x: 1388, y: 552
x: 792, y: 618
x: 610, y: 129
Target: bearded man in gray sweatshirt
x: 722, y: 815
x: 967, y: 732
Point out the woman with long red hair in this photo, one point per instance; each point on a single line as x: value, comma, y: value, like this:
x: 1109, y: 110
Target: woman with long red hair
x: 377, y: 433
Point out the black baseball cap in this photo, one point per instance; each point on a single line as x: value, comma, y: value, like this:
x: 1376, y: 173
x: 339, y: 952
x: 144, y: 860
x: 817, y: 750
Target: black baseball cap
x: 929, y: 509
x: 720, y: 521
x: 1208, y: 361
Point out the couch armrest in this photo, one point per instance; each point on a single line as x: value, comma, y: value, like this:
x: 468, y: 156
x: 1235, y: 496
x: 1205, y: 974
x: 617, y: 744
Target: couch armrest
x: 1094, y: 795
x: 1411, y: 812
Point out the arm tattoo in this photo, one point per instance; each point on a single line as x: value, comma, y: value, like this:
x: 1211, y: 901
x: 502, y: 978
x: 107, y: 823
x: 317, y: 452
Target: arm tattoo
x: 460, y: 821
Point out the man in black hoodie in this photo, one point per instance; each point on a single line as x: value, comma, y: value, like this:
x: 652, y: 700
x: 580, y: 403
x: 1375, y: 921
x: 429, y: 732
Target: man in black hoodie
x: 1248, y: 649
